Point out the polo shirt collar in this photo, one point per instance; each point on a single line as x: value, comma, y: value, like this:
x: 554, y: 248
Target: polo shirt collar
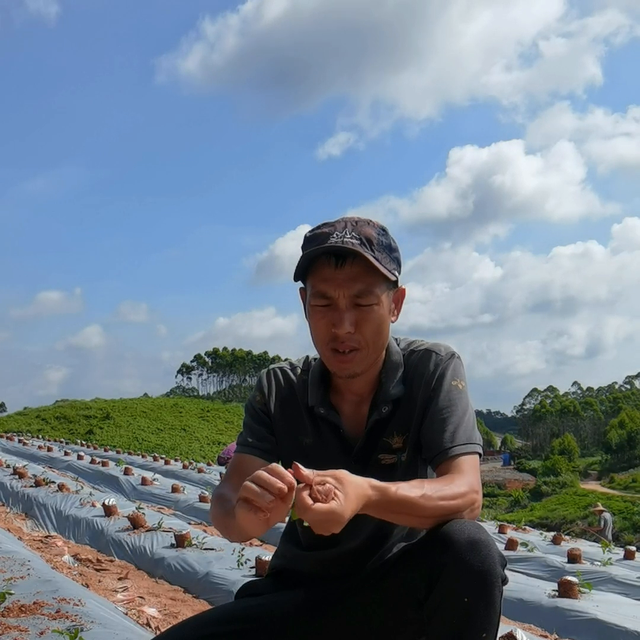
x: 389, y: 388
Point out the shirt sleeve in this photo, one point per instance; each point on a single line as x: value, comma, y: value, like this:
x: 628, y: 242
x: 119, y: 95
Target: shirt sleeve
x: 450, y: 427
x: 257, y: 437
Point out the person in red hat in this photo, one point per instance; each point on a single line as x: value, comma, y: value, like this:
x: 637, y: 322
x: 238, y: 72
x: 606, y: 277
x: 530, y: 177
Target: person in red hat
x: 374, y: 443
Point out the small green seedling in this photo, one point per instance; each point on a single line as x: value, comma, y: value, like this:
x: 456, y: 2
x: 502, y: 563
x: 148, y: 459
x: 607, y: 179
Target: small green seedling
x: 584, y: 587
x: 158, y: 525
x: 607, y: 549
x: 198, y: 542
x: 73, y: 634
x: 5, y: 594
x: 241, y: 559
x: 120, y: 463
x: 529, y: 546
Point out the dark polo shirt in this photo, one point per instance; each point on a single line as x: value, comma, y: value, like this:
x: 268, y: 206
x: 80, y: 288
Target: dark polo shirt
x: 420, y: 416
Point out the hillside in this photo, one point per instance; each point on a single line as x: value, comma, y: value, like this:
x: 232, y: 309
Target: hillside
x: 186, y: 427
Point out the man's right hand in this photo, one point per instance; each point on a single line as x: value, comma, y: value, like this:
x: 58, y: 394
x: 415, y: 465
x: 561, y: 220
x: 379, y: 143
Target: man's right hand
x: 264, y: 499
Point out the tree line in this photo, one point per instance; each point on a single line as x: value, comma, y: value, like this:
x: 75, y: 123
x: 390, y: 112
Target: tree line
x: 221, y: 373
x: 602, y: 420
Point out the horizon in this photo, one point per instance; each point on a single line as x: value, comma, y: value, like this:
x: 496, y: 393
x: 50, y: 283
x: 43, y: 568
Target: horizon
x: 161, y: 164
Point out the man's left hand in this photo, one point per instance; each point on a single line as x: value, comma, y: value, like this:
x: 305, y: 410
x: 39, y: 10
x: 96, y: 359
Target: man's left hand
x: 327, y: 500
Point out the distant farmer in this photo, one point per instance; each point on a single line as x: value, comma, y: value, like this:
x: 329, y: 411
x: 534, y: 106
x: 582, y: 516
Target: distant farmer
x: 379, y: 453
x: 605, y: 523
x: 224, y: 457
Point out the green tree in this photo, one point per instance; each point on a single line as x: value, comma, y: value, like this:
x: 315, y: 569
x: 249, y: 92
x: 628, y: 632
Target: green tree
x: 566, y: 447
x: 489, y: 441
x: 508, y: 443
x: 584, y: 412
x: 622, y: 440
x: 3, y: 408
x: 222, y: 374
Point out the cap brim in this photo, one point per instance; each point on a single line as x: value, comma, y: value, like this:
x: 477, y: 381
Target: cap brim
x: 309, y: 256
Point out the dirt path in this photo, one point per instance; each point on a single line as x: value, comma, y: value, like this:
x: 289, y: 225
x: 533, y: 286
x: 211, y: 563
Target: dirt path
x: 596, y: 486
x: 154, y: 604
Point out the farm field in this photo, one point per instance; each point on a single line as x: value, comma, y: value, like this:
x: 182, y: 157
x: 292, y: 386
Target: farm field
x: 79, y: 484
x: 188, y: 427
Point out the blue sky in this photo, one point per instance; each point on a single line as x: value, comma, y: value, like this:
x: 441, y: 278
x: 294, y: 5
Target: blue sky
x: 160, y: 160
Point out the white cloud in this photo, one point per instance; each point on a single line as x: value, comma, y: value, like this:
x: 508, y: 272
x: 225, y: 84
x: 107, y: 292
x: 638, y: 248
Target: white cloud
x: 608, y: 140
x: 52, y: 302
x: 161, y: 331
x: 130, y: 311
x: 278, y: 262
x: 452, y: 288
x: 521, y: 319
x: 52, y: 378
x: 46, y: 10
x: 336, y: 145
x: 405, y: 60
x: 259, y: 329
x: 485, y: 190
x: 91, y: 338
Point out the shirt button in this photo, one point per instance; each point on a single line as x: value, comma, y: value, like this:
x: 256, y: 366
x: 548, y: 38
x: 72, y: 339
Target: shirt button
x: 321, y: 410
x: 385, y: 408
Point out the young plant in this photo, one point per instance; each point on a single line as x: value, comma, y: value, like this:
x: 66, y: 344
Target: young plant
x: 120, y: 463
x: 607, y: 551
x: 158, y: 525
x: 529, y: 546
x: 584, y: 587
x: 241, y: 559
x: 73, y: 634
x: 5, y: 594
x: 198, y: 542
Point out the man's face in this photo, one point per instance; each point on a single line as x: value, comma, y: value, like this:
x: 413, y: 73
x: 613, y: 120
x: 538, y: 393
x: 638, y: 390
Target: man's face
x: 350, y: 311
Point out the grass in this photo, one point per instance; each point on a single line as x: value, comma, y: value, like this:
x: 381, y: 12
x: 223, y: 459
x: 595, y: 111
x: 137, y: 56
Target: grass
x: 629, y: 482
x: 187, y: 427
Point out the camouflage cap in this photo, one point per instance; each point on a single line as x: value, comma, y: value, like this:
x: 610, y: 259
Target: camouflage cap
x: 365, y: 237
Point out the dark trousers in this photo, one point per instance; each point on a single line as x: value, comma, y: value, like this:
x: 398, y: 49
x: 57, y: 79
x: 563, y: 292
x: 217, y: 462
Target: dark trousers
x: 446, y: 586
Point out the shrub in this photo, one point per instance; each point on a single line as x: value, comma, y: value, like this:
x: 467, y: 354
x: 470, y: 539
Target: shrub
x: 565, y: 447
x: 554, y: 467
x: 528, y: 466
x: 554, y: 485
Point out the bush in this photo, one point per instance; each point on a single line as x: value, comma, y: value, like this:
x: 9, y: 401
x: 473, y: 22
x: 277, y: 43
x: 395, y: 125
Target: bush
x: 494, y: 491
x: 554, y: 485
x: 565, y: 447
x: 629, y: 482
x: 554, y: 467
x: 519, y: 498
x: 508, y: 443
x: 528, y: 466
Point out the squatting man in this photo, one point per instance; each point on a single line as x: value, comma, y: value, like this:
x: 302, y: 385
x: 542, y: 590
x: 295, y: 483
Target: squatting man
x: 374, y: 443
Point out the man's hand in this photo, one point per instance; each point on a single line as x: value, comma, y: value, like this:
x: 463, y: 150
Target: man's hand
x: 327, y: 500
x: 265, y: 498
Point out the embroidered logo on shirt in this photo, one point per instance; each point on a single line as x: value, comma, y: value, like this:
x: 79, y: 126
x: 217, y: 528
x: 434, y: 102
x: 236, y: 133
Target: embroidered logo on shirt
x: 458, y: 383
x: 397, y: 445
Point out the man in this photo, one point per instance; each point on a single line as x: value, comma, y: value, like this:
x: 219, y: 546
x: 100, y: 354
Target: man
x: 379, y: 453
x: 605, y: 523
